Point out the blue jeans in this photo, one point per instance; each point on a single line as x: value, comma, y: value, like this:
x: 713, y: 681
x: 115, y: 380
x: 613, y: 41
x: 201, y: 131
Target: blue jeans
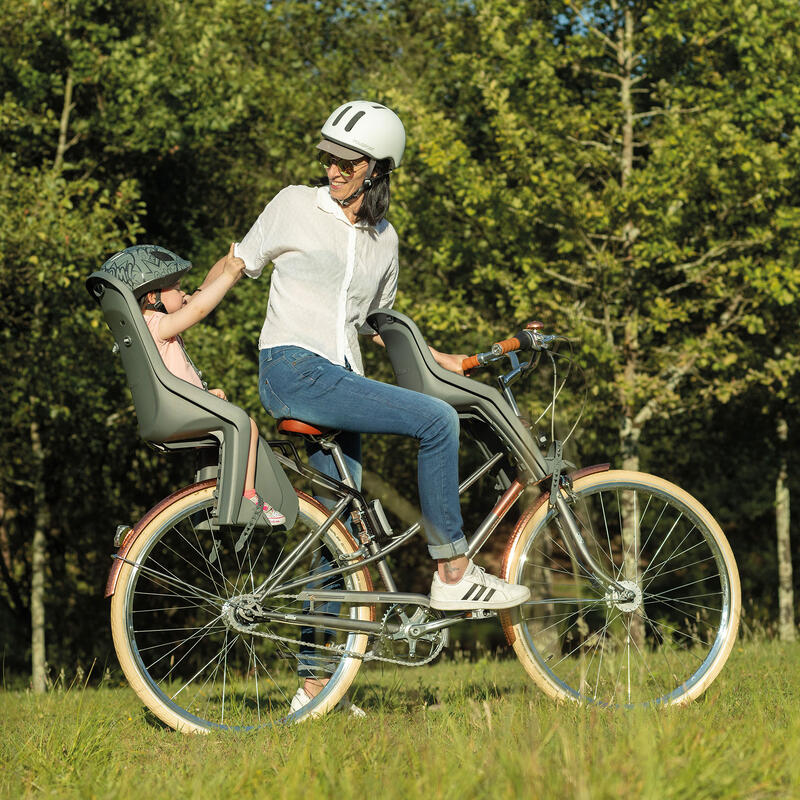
x: 296, y: 383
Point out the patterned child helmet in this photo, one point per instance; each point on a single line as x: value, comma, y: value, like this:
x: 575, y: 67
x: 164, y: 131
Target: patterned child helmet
x: 146, y: 268
x: 361, y: 128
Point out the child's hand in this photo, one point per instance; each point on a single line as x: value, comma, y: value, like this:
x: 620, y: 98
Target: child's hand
x: 233, y: 266
x: 218, y: 393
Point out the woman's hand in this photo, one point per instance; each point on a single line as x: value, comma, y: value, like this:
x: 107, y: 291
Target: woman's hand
x: 218, y: 393
x: 450, y: 361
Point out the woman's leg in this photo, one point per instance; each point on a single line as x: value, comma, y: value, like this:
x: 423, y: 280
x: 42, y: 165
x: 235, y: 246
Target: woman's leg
x: 297, y: 383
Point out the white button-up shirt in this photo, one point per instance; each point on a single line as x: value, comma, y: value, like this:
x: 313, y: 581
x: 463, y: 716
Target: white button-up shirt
x: 329, y: 274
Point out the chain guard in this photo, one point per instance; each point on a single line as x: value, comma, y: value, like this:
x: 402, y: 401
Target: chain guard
x: 237, y: 612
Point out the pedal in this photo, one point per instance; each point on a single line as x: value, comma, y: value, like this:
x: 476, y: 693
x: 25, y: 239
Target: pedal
x: 480, y: 613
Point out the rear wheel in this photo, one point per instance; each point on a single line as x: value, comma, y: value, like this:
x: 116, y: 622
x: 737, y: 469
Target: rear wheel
x: 179, y: 618
x: 666, y: 638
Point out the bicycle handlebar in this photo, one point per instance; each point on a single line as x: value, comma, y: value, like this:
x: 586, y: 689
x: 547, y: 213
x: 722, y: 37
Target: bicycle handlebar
x: 530, y: 338
x: 506, y: 346
x: 470, y: 363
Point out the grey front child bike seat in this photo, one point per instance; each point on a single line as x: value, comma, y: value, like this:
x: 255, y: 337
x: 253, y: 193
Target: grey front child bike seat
x: 175, y: 415
x: 415, y: 368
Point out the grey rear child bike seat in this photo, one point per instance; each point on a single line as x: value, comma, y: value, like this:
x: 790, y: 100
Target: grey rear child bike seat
x: 415, y: 368
x: 175, y: 415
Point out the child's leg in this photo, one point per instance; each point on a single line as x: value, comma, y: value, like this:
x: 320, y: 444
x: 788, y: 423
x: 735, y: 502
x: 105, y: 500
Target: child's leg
x: 275, y: 517
x: 250, y: 474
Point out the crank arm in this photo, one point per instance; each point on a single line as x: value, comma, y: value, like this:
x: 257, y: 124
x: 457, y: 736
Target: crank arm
x: 446, y: 622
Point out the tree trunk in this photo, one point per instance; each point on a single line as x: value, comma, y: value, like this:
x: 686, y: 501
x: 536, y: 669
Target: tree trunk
x: 42, y: 516
x: 786, y: 624
x: 38, y: 565
x: 630, y: 511
x: 390, y: 498
x: 631, y: 427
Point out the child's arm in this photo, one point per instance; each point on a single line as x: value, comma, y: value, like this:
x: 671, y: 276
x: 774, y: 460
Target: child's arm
x: 214, y: 272
x: 203, y: 303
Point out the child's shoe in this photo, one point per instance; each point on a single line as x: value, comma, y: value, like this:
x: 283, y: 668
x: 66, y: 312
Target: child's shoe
x: 274, y: 517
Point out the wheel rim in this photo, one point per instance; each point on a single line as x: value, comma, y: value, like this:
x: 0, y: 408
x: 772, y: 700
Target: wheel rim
x: 657, y: 643
x: 186, y: 647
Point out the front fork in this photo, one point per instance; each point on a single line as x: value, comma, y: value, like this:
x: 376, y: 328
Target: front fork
x: 576, y: 544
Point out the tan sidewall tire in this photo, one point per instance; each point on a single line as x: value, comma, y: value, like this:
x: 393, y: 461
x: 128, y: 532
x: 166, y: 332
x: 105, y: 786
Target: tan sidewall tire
x: 527, y: 526
x: 337, y: 535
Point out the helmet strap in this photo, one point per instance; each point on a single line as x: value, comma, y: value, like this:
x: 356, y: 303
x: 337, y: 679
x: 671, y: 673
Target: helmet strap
x: 365, y: 184
x: 158, y: 305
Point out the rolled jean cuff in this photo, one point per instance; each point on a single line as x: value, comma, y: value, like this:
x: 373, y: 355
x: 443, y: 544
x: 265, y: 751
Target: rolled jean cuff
x: 450, y: 550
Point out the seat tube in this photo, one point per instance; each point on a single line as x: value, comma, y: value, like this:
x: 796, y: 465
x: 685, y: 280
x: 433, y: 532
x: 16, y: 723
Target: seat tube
x: 347, y: 479
x: 338, y: 459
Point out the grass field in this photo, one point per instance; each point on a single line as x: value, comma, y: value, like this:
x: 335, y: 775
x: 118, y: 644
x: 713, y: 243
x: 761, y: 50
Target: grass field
x: 452, y: 730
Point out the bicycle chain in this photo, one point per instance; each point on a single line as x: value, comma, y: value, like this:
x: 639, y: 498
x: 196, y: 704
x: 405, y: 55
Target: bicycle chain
x: 369, y: 656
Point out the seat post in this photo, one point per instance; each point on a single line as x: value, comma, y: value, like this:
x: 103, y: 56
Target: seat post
x: 332, y: 446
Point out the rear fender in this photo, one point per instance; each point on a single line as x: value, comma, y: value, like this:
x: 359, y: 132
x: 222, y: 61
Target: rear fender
x: 130, y: 538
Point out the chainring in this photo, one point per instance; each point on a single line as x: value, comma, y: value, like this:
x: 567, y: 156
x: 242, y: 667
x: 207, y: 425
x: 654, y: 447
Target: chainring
x: 401, y: 646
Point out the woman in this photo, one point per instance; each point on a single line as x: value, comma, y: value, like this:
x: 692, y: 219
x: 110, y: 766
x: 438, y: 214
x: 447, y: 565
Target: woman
x: 335, y: 260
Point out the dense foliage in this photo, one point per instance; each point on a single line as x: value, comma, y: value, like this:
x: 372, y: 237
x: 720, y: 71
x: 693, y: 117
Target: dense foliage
x: 625, y: 171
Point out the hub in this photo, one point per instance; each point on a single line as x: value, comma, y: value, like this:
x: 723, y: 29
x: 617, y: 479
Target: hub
x: 626, y: 603
x: 241, y: 610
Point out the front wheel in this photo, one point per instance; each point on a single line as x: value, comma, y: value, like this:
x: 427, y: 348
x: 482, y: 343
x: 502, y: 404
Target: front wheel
x: 662, y: 641
x: 179, y: 617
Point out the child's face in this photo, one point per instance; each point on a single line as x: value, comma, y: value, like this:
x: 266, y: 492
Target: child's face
x: 173, y: 298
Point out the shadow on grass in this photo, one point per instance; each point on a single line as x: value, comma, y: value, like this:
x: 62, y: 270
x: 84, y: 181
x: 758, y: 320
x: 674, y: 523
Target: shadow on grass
x: 400, y: 696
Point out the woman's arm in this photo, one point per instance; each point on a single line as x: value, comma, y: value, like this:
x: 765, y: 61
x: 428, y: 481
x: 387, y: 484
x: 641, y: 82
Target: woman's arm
x: 450, y: 361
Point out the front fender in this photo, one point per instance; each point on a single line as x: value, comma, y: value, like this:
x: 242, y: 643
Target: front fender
x: 505, y: 616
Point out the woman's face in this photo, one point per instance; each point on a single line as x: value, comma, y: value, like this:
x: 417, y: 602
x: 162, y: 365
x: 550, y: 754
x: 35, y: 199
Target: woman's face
x: 342, y: 185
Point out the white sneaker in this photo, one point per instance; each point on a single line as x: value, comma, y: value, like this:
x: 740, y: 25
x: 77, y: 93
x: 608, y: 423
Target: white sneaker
x: 301, y: 698
x: 476, y: 589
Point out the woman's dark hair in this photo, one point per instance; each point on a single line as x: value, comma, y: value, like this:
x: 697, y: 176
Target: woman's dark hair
x: 376, y: 199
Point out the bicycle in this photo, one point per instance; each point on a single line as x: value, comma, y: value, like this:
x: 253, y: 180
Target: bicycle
x: 635, y: 594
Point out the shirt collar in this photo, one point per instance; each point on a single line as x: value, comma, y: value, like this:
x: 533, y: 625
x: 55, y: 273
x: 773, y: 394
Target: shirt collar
x: 327, y: 204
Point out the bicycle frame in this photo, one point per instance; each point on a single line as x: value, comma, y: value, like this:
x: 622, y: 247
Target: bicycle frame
x: 372, y: 552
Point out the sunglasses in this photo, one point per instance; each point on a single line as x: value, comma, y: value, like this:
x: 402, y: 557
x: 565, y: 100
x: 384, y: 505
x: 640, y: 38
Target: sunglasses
x: 347, y: 168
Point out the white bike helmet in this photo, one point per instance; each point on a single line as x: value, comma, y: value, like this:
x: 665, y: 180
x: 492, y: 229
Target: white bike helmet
x: 361, y: 128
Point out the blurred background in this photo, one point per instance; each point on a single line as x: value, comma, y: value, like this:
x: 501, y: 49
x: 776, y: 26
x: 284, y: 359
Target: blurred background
x: 625, y: 172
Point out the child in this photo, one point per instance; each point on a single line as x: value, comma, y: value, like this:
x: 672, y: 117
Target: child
x: 154, y: 274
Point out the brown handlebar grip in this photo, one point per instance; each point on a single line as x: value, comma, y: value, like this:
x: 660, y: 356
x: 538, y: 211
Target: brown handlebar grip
x: 470, y: 363
x: 506, y: 346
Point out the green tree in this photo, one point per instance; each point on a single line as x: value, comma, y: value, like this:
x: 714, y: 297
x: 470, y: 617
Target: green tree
x: 619, y: 166
x: 123, y: 122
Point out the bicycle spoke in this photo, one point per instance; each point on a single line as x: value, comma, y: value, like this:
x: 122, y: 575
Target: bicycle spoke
x: 183, y: 631
x: 639, y: 646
